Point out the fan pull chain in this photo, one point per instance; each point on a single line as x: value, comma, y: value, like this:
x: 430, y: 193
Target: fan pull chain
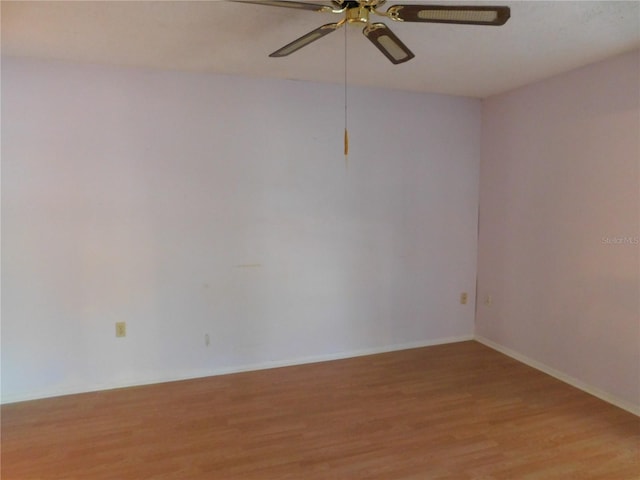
x: 346, y: 131
x: 346, y: 147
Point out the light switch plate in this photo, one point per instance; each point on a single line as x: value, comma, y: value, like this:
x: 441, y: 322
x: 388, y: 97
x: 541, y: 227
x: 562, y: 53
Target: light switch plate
x: 121, y: 329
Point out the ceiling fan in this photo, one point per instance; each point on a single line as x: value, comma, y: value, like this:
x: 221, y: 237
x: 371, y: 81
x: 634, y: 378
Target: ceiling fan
x: 359, y: 11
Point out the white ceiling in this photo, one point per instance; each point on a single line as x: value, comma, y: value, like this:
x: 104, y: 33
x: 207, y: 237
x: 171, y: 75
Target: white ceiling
x: 540, y: 40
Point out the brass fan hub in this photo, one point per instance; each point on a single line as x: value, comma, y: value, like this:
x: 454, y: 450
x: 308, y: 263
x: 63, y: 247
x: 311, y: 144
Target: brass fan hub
x: 359, y: 14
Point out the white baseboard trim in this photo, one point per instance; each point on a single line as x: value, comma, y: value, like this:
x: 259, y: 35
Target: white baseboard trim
x: 574, y: 382
x: 6, y: 399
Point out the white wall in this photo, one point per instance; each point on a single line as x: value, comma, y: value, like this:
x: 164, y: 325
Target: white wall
x: 559, y: 226
x: 134, y: 195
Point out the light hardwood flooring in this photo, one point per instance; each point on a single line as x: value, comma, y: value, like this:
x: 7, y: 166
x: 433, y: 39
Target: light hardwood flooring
x: 458, y: 411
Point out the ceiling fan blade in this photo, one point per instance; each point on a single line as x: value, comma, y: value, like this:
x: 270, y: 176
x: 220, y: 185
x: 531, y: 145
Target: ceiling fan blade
x: 316, y: 7
x: 469, y: 15
x: 387, y: 42
x: 305, y: 40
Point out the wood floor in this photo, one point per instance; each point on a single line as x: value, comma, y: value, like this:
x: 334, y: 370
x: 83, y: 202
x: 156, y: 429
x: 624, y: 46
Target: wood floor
x: 457, y: 411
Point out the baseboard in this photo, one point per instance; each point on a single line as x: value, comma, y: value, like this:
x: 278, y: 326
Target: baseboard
x: 574, y: 382
x: 6, y: 399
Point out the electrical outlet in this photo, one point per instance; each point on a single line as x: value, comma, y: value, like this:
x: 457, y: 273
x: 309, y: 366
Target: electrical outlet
x: 488, y: 300
x: 121, y: 329
x: 207, y: 340
x: 464, y: 298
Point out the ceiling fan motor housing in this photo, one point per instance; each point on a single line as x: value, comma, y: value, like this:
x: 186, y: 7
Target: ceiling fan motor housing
x: 357, y: 14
